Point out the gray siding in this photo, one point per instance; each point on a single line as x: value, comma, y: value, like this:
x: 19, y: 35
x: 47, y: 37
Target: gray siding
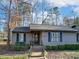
x: 13, y: 38
x: 28, y: 38
x: 67, y: 38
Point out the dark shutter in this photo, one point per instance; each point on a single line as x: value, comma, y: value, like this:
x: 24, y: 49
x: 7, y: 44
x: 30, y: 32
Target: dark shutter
x: 49, y: 36
x: 60, y: 36
x: 77, y: 38
x: 17, y: 40
x: 24, y: 37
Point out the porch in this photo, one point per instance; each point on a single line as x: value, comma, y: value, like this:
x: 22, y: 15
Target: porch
x: 24, y: 35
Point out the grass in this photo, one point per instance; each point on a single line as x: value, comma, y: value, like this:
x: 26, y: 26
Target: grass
x: 14, y: 57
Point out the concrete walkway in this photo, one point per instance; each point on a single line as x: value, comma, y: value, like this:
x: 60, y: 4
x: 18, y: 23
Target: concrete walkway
x: 36, y: 58
x: 36, y: 53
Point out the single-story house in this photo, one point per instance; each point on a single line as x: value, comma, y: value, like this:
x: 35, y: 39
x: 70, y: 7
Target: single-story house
x: 41, y: 34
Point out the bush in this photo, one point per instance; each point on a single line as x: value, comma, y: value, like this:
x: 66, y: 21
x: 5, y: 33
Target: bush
x: 63, y: 47
x: 19, y: 47
x: 4, y: 39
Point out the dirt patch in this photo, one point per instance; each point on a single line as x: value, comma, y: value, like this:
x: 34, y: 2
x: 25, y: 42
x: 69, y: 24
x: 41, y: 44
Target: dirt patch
x: 62, y: 54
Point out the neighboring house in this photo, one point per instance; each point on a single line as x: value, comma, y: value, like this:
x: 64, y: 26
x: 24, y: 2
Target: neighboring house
x: 3, y: 35
x: 45, y: 34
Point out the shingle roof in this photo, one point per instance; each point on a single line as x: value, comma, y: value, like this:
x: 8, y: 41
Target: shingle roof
x: 21, y: 29
x: 77, y: 28
x: 51, y: 28
x: 42, y: 27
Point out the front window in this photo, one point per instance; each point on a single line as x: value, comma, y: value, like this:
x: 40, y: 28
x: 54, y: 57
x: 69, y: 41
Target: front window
x: 21, y: 37
x: 55, y: 36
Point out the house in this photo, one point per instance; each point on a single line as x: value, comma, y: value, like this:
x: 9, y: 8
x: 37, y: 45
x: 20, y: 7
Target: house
x: 41, y: 34
x: 3, y: 35
x: 24, y: 30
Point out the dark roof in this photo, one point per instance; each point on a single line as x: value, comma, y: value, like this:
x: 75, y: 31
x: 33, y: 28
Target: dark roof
x: 21, y: 29
x: 77, y: 28
x: 43, y: 27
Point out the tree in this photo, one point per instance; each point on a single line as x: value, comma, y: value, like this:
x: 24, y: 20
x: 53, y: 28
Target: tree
x: 49, y: 17
x: 76, y: 21
x: 9, y: 17
x: 56, y: 12
x: 25, y: 9
x: 68, y: 21
x: 7, y: 9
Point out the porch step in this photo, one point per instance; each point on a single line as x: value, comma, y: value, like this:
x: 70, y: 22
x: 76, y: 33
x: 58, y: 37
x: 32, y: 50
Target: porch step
x: 37, y: 48
x: 37, y: 51
x: 36, y: 54
x: 36, y: 58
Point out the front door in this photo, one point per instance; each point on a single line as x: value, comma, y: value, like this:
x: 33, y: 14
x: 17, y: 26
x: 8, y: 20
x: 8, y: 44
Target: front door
x: 36, y: 37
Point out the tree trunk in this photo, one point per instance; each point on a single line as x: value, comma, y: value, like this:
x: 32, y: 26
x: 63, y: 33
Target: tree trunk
x: 56, y: 20
x: 9, y: 17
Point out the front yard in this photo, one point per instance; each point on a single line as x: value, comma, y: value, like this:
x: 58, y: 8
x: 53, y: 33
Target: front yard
x: 63, y: 55
x: 53, y: 54
x: 13, y: 57
x: 5, y: 53
x: 70, y: 51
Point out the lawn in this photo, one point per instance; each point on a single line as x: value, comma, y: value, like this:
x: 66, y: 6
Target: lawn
x: 5, y: 53
x: 63, y: 55
x: 14, y: 57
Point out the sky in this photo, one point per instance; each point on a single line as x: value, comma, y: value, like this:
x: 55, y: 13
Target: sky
x: 66, y: 8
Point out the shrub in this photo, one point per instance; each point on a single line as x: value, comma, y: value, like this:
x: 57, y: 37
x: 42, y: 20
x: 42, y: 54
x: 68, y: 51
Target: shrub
x: 4, y: 39
x: 63, y: 47
x: 19, y: 47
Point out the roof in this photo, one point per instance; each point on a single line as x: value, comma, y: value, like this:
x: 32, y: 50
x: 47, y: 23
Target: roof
x: 40, y: 27
x: 77, y: 28
x: 21, y: 29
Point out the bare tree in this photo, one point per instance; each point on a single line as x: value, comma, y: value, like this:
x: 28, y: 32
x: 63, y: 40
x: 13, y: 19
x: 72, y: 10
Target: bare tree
x: 56, y: 12
x: 68, y: 21
x: 7, y: 8
x: 9, y: 17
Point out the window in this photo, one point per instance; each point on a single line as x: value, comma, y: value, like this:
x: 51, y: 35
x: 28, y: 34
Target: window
x: 55, y: 36
x: 77, y: 37
x: 21, y: 37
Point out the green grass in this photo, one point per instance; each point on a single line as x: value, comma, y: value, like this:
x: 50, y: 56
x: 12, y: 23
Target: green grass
x: 13, y: 57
